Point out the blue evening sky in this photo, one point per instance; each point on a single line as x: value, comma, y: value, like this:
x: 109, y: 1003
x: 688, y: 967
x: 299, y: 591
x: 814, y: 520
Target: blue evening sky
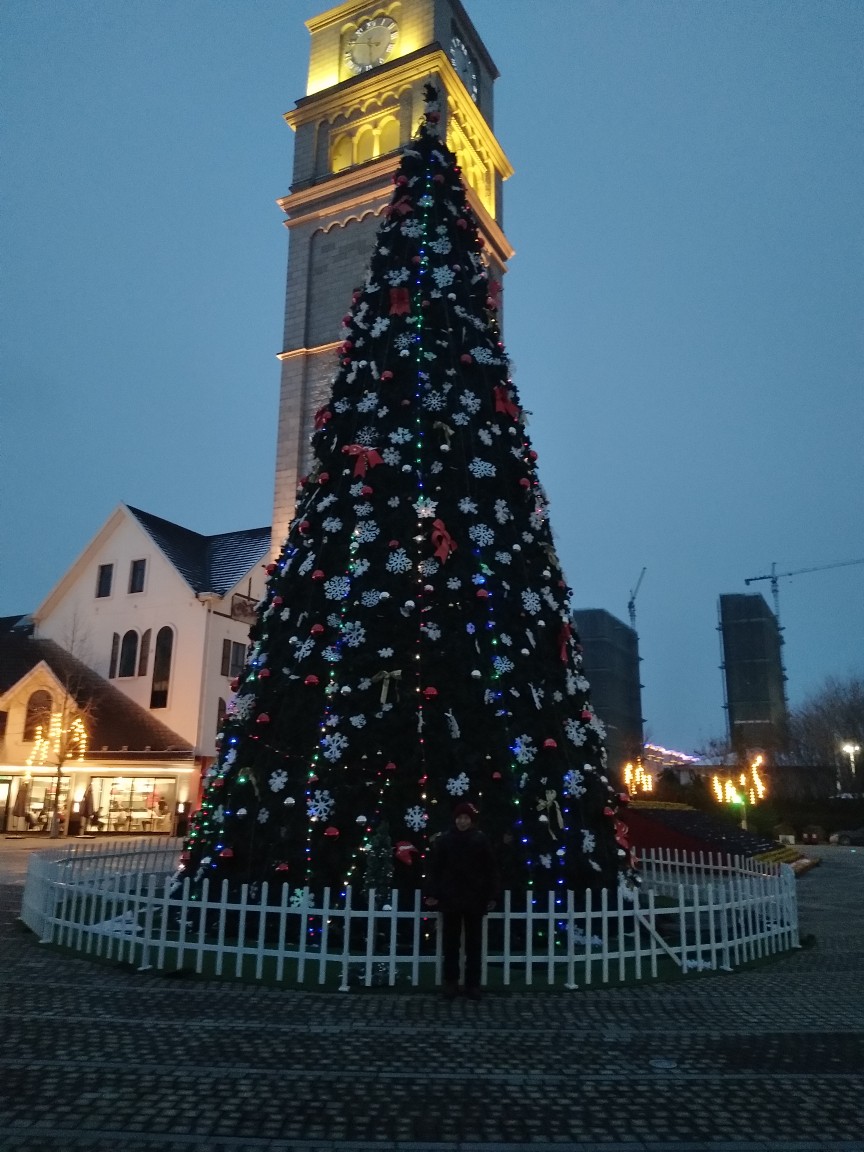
x: 684, y: 310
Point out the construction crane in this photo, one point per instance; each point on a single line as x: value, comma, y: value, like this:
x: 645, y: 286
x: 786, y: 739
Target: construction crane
x: 631, y: 603
x: 774, y: 576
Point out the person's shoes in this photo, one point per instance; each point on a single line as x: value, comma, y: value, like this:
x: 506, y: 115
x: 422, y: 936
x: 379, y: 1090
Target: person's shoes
x: 450, y: 990
x: 473, y: 993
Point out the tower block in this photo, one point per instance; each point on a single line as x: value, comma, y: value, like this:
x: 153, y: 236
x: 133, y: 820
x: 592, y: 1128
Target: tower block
x: 368, y: 66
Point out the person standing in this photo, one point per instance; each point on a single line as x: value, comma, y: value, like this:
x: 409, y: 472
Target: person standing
x: 463, y: 884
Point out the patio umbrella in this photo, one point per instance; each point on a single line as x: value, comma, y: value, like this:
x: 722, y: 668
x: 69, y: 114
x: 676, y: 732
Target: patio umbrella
x: 22, y: 800
x: 88, y: 806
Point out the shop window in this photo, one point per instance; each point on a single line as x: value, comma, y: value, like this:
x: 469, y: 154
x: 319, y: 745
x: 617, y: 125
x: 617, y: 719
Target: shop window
x: 144, y: 654
x: 115, y: 655
x: 38, y: 714
x: 104, y: 576
x: 133, y: 804
x: 233, y: 658
x: 161, y: 668
x: 137, y: 570
x: 128, y: 654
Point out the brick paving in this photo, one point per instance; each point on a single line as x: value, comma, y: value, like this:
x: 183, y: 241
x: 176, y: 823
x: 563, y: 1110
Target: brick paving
x: 99, y: 1058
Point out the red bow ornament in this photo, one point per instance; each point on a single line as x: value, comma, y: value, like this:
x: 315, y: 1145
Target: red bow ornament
x: 365, y: 457
x: 402, y: 206
x: 442, y: 540
x: 504, y: 403
x: 400, y: 305
x: 563, y: 637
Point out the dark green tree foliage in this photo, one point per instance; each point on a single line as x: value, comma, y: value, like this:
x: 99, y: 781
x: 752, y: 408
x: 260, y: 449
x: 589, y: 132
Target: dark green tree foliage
x: 414, y: 648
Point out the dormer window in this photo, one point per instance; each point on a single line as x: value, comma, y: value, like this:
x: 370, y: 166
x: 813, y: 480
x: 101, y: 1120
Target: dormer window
x: 137, y: 570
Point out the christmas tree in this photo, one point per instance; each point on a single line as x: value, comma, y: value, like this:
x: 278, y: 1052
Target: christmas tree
x: 414, y: 648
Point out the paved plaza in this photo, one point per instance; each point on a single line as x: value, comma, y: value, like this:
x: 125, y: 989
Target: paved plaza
x: 99, y: 1058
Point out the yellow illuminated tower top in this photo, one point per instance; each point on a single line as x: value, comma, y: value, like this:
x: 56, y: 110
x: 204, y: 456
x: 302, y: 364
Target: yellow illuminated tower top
x: 368, y: 64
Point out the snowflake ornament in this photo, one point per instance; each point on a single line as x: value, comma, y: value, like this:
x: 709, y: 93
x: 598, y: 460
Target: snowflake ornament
x: 523, y: 749
x: 337, y: 587
x: 458, y: 785
x: 334, y: 745
x: 320, y: 804
x: 278, y: 780
x: 416, y: 818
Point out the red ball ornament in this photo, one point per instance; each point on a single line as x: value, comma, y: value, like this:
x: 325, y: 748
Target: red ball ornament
x: 550, y: 743
x: 438, y: 179
x: 185, y: 857
x: 324, y: 477
x: 316, y: 629
x: 387, y: 375
x: 283, y: 867
x: 525, y: 482
x: 466, y: 358
x: 277, y: 601
x: 271, y: 568
x: 482, y: 594
x: 608, y: 812
x: 331, y: 832
x: 416, y: 259
x: 401, y: 179
x: 263, y: 673
x: 532, y: 455
x: 303, y: 526
x: 623, y: 797
x: 227, y: 853
x: 430, y: 693
x: 460, y: 223
x: 393, y: 544
x: 235, y: 683
x: 346, y: 361
x: 347, y: 345
x: 263, y: 718
x: 389, y: 766
x: 366, y: 490
x: 496, y: 775
x: 586, y: 715
x: 318, y: 574
x: 311, y: 680
x: 219, y: 782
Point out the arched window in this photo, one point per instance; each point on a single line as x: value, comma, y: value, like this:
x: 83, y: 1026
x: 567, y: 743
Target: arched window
x: 144, y: 655
x: 220, y: 714
x: 38, y: 714
x: 115, y: 655
x: 388, y: 140
x: 341, y: 155
x: 365, y: 145
x: 162, y: 668
x: 128, y: 653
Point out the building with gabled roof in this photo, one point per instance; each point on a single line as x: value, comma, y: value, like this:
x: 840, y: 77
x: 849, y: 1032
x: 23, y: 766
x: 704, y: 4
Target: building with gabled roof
x: 140, y: 774
x: 161, y: 613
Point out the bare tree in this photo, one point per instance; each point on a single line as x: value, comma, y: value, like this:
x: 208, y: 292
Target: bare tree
x: 831, y: 718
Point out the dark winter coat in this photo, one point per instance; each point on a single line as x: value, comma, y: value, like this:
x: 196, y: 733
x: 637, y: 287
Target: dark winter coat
x: 462, y: 870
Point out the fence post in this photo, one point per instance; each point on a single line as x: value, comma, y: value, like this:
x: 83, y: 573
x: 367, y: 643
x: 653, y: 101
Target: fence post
x: 682, y: 927
x: 148, y: 924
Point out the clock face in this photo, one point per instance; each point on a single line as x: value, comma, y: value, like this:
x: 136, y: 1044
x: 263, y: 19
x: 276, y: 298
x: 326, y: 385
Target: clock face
x: 371, y: 44
x: 461, y: 60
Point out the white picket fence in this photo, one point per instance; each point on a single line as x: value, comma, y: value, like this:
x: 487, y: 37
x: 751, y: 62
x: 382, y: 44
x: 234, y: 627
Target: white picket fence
x: 691, y: 912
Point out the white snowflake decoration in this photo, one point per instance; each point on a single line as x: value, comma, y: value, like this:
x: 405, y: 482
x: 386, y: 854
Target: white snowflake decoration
x: 334, y: 745
x: 416, y: 818
x: 502, y: 512
x: 278, y: 780
x: 531, y: 602
x: 481, y: 468
x: 337, y: 587
x: 470, y: 400
x: 458, y: 785
x: 354, y: 634
x: 425, y: 506
x: 397, y: 277
x: 485, y: 437
x: 482, y: 535
x: 573, y: 783
x: 263, y: 816
x: 398, y: 561
x: 588, y: 842
x: 453, y: 583
x: 366, y: 403
x: 546, y: 860
x: 305, y: 649
x: 443, y: 276
x: 241, y: 707
x: 400, y: 436
x: 366, y: 532
x: 441, y: 247
x: 332, y: 524
x: 503, y: 557
x: 320, y: 805
x: 370, y: 599
x: 380, y: 325
x: 392, y: 457
x: 523, y: 749
x: 358, y: 721
x: 359, y: 567
x: 467, y: 505
x: 428, y: 567
x: 460, y: 418
x: 501, y: 664
x: 433, y: 632
x: 575, y: 732
x: 364, y: 509
x: 331, y: 654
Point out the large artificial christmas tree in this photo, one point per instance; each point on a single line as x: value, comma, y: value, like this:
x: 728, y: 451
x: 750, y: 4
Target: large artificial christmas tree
x: 414, y: 648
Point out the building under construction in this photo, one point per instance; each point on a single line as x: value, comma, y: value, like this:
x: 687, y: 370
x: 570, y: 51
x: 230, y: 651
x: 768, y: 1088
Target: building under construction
x: 753, y: 673
x: 610, y: 653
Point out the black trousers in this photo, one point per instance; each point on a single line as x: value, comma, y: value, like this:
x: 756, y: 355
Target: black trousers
x: 453, y: 920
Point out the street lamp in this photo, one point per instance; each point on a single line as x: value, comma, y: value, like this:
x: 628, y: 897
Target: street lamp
x: 850, y: 750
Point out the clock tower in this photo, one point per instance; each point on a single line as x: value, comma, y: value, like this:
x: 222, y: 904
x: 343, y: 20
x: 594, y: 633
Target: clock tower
x: 368, y: 65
